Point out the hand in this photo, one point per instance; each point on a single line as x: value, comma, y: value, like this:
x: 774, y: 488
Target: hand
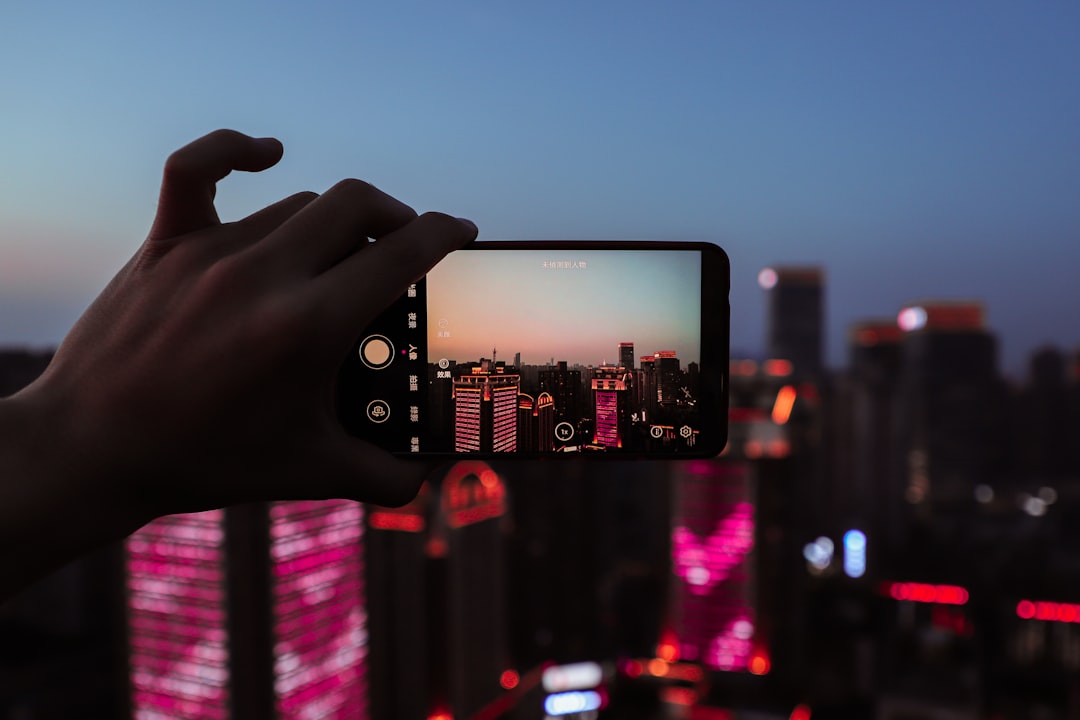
x: 204, y: 373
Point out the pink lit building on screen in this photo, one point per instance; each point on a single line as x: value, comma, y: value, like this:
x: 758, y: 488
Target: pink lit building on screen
x: 257, y: 611
x: 712, y: 543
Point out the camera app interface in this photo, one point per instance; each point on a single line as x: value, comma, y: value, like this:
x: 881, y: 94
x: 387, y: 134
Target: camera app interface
x: 544, y: 351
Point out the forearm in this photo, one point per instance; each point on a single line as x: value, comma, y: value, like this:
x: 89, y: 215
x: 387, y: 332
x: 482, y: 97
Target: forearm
x: 53, y: 505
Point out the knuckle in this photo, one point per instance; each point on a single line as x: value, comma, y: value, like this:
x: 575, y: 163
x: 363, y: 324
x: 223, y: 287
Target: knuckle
x: 357, y: 190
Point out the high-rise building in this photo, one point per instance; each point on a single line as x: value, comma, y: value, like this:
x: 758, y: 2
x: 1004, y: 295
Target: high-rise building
x: 647, y: 385
x: 252, y: 612
x: 564, y: 386
x: 669, y: 381
x: 486, y: 409
x: 626, y: 355
x: 950, y: 406
x: 796, y: 319
x: 436, y: 574
x: 536, y: 423
x: 612, y: 389
x: 712, y: 538
x: 868, y: 442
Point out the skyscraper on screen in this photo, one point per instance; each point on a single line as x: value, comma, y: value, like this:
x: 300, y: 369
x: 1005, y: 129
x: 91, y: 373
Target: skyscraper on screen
x: 612, y: 388
x: 564, y: 386
x: 626, y: 355
x: 486, y: 409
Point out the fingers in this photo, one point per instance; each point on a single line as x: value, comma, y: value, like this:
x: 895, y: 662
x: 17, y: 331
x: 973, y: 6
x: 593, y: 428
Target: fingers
x: 333, y: 227
x: 360, y: 287
x: 261, y: 223
x: 348, y: 467
x: 188, y: 184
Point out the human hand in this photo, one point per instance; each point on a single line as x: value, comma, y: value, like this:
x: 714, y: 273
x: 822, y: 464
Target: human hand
x: 203, y: 375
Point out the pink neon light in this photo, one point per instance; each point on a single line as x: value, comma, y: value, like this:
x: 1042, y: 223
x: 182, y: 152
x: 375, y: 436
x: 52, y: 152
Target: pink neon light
x: 320, y: 621
x: 704, y: 564
x: 177, y: 621
x: 732, y: 648
x: 712, y: 542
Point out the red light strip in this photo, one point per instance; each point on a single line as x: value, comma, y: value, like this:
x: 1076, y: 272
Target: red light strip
x: 1052, y: 611
x: 406, y: 522
x: 926, y: 593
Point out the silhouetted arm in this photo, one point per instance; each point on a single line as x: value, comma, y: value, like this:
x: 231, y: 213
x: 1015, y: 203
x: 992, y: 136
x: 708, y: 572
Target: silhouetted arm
x: 203, y: 374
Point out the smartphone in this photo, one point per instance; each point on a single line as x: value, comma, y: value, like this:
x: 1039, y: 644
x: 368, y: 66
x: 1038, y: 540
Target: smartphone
x: 549, y: 349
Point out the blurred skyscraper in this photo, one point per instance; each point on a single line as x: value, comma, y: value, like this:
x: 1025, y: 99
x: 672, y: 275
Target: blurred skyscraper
x: 796, y: 317
x: 253, y: 612
x: 951, y: 406
x: 437, y: 588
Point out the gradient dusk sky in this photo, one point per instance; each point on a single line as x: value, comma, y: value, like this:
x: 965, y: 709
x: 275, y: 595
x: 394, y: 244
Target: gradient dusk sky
x: 914, y: 150
x: 529, y: 301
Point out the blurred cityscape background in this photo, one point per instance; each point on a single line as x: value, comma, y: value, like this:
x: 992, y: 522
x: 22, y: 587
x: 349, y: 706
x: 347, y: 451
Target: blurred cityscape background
x: 889, y: 540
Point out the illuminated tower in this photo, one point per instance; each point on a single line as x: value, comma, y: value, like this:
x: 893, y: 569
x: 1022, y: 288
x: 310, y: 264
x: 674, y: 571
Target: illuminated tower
x: 626, y: 355
x: 796, y: 318
x: 564, y: 386
x: 254, y: 612
x: 712, y: 538
x: 612, y: 387
x: 486, y: 410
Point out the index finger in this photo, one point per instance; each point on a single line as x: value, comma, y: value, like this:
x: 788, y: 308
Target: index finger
x: 188, y: 184
x: 356, y: 290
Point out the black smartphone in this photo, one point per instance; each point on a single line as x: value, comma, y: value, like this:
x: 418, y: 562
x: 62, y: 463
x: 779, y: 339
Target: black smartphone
x: 549, y: 348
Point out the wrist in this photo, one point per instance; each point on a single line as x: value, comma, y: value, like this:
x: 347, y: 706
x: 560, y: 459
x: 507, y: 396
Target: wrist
x: 56, y: 503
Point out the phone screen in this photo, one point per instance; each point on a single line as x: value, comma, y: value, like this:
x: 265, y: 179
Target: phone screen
x: 545, y: 348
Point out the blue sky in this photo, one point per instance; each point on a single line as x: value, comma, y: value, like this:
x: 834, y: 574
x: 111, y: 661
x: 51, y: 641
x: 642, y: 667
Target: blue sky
x: 916, y: 150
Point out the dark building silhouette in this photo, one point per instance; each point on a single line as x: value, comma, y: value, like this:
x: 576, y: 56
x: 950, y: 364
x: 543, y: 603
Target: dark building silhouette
x: 536, y: 423
x: 796, y: 316
x: 669, y: 380
x: 565, y: 388
x: 437, y: 599
x: 626, y: 355
x: 950, y: 407
x: 869, y: 443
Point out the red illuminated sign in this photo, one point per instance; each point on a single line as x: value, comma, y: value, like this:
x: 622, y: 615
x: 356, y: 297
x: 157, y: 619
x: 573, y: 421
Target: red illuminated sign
x: 926, y: 593
x: 1052, y: 611
x: 405, y: 522
x: 472, y: 492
